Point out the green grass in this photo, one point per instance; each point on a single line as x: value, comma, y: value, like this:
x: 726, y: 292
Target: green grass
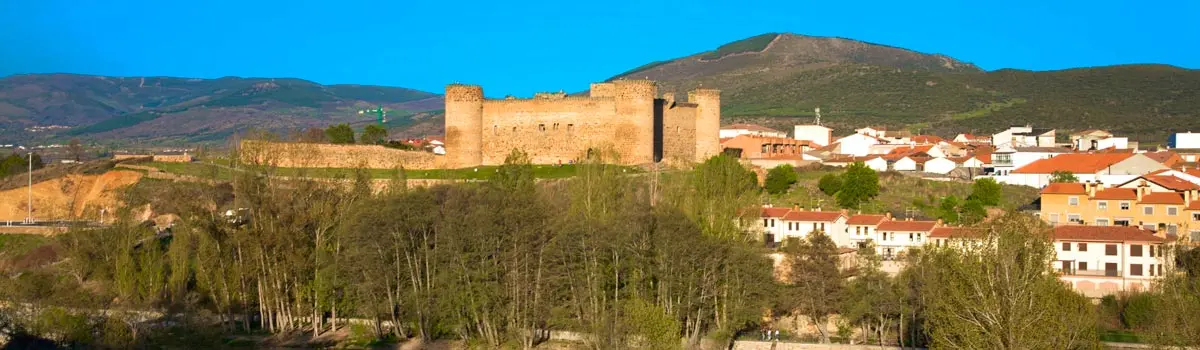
x: 17, y: 244
x: 118, y: 122
x: 1119, y: 337
x: 204, y: 170
x: 988, y: 109
x: 752, y: 44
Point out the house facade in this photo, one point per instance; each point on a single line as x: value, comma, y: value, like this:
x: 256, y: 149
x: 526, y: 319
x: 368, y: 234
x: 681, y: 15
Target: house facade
x: 779, y: 224
x: 819, y: 135
x: 1099, y: 261
x: 1107, y: 168
x: 1171, y: 214
x: 749, y: 129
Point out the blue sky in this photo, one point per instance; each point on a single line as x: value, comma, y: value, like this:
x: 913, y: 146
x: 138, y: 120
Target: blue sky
x: 520, y: 47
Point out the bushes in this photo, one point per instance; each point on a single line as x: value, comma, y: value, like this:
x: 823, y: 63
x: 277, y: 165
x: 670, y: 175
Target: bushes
x: 780, y: 179
x: 830, y: 184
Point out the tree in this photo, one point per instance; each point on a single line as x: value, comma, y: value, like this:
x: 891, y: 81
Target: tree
x: 75, y: 149
x: 830, y: 184
x: 340, y: 134
x: 999, y: 292
x: 986, y: 191
x: 859, y: 184
x: 948, y: 209
x: 1062, y: 176
x: 780, y: 179
x: 872, y: 297
x: 816, y: 286
x: 971, y: 212
x: 313, y: 135
x: 373, y: 135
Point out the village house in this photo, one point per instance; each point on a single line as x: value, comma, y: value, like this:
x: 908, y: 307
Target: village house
x: 874, y: 162
x: 973, y: 139
x: 753, y: 146
x: 857, y: 145
x: 861, y: 228
x: 892, y: 237
x: 1024, y: 136
x: 1167, y: 207
x: 735, y: 130
x: 1094, y: 260
x: 941, y: 165
x: 1107, y: 168
x: 779, y: 224
x: 818, y: 135
x: 1095, y: 140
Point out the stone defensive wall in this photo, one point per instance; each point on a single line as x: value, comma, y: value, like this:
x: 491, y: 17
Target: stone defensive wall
x: 166, y: 158
x: 314, y: 155
x: 550, y: 130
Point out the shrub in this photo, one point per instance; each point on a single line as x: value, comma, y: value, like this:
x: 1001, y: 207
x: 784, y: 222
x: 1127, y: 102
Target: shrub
x: 780, y: 179
x: 830, y: 184
x: 1139, y: 310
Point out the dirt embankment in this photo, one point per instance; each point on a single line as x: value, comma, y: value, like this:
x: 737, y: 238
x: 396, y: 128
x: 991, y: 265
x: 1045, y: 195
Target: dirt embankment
x: 68, y: 197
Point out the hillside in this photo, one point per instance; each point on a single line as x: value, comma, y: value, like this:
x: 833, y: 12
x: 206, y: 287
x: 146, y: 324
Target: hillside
x: 180, y: 110
x: 778, y: 79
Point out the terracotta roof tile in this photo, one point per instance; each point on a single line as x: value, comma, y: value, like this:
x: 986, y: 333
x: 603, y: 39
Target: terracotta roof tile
x: 818, y: 216
x: 956, y: 232
x: 906, y: 226
x: 1079, y: 163
x: 863, y: 219
x: 1116, y: 194
x: 1162, y: 198
x: 927, y: 139
x: 775, y: 212
x: 1104, y: 234
x: 1172, y: 183
x: 1064, y: 188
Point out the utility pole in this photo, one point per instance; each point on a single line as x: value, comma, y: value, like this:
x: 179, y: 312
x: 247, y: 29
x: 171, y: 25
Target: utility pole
x: 29, y: 205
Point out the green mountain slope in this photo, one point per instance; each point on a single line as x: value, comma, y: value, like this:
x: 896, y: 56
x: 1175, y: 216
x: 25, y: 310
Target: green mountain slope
x: 180, y: 110
x: 857, y: 84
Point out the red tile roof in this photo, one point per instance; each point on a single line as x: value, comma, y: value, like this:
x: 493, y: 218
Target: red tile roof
x: 863, y: 219
x: 955, y: 232
x: 751, y: 127
x: 1162, y: 198
x: 1064, y: 188
x: 927, y: 139
x: 1116, y: 194
x: 1167, y: 158
x: 775, y: 212
x: 1078, y: 163
x: 984, y: 157
x: 906, y: 226
x: 1104, y: 234
x: 818, y: 216
x: 1171, y: 182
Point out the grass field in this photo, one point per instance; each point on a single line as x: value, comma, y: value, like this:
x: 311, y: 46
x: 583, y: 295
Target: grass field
x: 15, y: 245
x: 899, y: 194
x: 205, y: 170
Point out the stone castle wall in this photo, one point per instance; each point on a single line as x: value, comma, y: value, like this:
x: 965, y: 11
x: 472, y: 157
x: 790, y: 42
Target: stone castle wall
x: 549, y: 130
x: 679, y: 131
x: 312, y: 155
x: 168, y: 158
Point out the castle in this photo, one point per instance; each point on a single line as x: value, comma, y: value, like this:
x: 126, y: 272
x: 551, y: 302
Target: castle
x: 553, y: 128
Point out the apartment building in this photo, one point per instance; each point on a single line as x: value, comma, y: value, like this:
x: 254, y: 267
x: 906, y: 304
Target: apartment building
x: 1172, y: 212
x: 779, y: 224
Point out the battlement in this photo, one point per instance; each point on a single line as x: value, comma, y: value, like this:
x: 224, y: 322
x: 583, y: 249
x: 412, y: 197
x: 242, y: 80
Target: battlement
x: 562, y: 99
x: 701, y: 93
x: 550, y: 95
x: 635, y: 89
x: 464, y: 93
x: 603, y: 90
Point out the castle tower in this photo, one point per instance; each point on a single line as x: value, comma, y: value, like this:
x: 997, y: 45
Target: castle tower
x: 464, y: 125
x: 602, y: 90
x: 634, y: 132
x: 708, y: 122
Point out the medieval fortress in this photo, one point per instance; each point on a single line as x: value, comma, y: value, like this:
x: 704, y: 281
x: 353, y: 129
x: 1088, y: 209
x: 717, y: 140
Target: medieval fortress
x: 627, y: 117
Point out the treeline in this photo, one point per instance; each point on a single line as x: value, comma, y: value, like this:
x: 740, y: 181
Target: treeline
x: 19, y: 164
x: 500, y: 263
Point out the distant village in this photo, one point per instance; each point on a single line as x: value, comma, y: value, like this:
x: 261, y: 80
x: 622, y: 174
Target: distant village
x: 1112, y: 221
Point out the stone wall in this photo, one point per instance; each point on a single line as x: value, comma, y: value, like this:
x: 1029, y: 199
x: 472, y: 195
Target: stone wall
x: 312, y: 155
x: 549, y: 130
x: 173, y: 158
x: 679, y: 131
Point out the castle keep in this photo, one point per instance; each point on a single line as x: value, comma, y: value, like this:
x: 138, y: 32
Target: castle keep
x: 627, y: 115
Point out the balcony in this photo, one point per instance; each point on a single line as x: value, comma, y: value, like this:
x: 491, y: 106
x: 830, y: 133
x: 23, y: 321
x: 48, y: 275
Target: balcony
x: 1094, y: 273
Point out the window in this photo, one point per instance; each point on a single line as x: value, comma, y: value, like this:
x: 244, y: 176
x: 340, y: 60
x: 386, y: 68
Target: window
x: 1074, y: 218
x: 1135, y: 250
x: 542, y: 127
x: 570, y: 127
x: 1195, y: 236
x: 1151, y: 269
x: 1172, y: 229
x: 1066, y: 246
x: 858, y: 230
x: 1149, y: 227
x: 1054, y: 218
x: 1135, y: 269
x: 910, y: 236
x: 814, y: 226
x: 1102, y: 222
x: 822, y: 227
x: 1082, y: 247
x: 556, y: 126
x: 765, y: 223
x: 514, y: 129
x: 1172, y: 211
x: 1082, y: 266
x: 1195, y: 216
x: 1121, y: 222
x: 1160, y: 269
x: 495, y: 130
x: 1102, y: 205
x: 1151, y: 251
x: 1148, y: 210
x: 1110, y: 269
x: 1110, y: 249
x: 1124, y: 205
x: 1073, y: 201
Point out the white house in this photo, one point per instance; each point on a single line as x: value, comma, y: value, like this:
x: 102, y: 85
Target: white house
x: 874, y: 162
x: 1104, y: 260
x: 862, y: 228
x: 968, y: 161
x: 1186, y: 140
x: 816, y: 134
x: 1094, y: 140
x: 973, y: 139
x: 1107, y: 168
x: 1095, y: 260
x: 940, y: 165
x: 857, y: 145
x: 909, y: 163
x: 749, y: 129
x: 1024, y: 136
x: 892, y: 237
x: 779, y: 224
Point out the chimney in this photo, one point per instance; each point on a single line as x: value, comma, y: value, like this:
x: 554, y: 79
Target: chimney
x: 939, y: 222
x: 1187, y: 198
x: 887, y: 215
x: 1141, y: 191
x: 796, y: 206
x: 1089, y: 188
x: 846, y: 212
